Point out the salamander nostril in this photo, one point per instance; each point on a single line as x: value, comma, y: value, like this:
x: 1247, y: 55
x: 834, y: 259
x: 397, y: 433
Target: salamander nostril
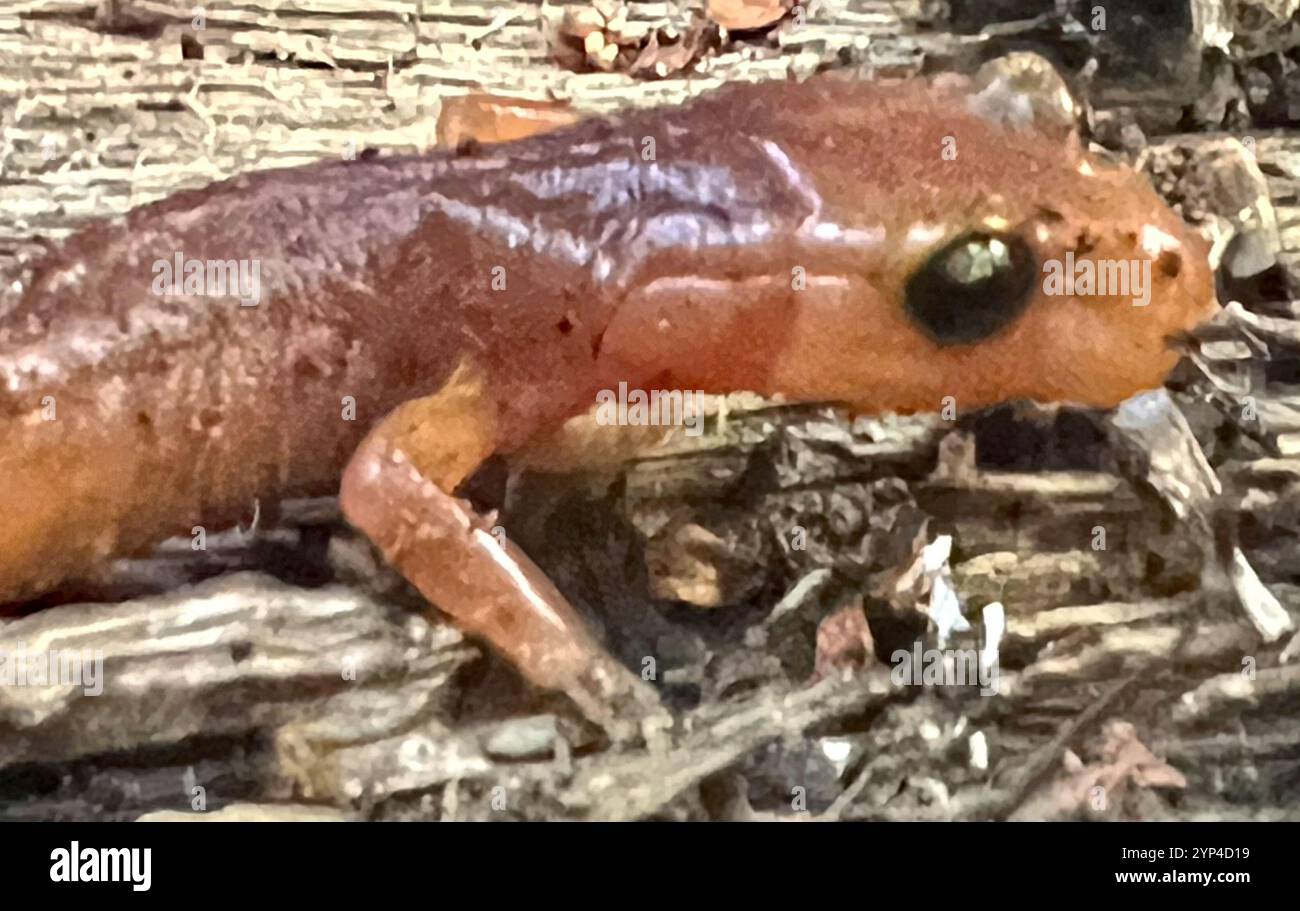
x: 971, y: 288
x: 1170, y: 263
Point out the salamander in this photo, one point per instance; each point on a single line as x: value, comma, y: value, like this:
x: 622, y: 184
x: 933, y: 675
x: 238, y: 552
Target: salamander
x: 881, y: 246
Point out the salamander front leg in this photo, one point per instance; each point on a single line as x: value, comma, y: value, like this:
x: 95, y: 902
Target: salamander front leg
x: 397, y: 488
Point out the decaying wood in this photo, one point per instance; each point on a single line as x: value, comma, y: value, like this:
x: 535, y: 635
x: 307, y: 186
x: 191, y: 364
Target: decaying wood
x: 1146, y: 562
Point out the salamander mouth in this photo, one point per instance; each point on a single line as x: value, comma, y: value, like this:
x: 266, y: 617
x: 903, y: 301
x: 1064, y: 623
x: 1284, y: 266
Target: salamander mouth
x: 1184, y: 341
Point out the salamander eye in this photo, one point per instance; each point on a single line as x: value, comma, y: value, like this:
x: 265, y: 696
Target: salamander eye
x: 971, y: 288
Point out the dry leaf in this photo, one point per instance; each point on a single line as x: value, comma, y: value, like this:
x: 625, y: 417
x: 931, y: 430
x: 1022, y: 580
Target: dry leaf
x: 843, y: 642
x: 661, y: 59
x: 600, y: 37
x: 1097, y: 788
x: 489, y: 118
x: 747, y: 15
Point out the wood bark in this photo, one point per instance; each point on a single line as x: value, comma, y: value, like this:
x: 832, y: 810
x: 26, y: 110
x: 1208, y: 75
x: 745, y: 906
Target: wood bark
x: 284, y: 672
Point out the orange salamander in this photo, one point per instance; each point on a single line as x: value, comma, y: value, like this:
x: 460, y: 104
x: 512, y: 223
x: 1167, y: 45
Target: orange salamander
x: 881, y: 246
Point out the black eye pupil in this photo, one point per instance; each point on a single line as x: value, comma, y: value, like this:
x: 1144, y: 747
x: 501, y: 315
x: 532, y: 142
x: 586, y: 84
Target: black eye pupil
x: 971, y: 288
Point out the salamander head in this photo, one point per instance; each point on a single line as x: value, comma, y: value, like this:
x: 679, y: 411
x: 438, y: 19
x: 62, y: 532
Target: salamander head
x: 962, y: 258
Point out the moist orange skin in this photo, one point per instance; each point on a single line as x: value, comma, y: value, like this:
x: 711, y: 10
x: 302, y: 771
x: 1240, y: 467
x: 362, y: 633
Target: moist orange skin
x: 378, y: 281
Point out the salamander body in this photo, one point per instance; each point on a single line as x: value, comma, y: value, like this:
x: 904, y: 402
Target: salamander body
x: 881, y: 246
